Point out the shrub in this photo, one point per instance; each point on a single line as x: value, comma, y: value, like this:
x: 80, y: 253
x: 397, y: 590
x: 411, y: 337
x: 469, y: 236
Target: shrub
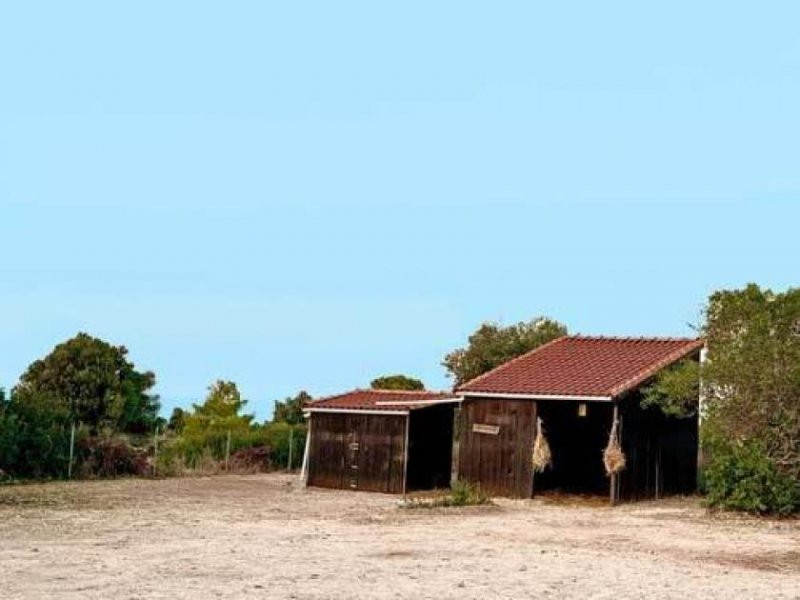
x: 252, y: 460
x: 110, y: 456
x: 744, y: 478
x: 277, y: 436
x: 464, y: 493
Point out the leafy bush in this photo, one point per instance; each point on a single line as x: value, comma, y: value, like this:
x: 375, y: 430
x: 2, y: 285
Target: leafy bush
x: 110, y: 456
x: 34, y: 437
x: 464, y: 493
x: 257, y: 448
x: 252, y: 460
x: 744, y: 478
x: 278, y: 436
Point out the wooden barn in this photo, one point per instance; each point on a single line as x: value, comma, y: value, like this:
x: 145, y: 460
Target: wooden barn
x: 380, y: 441
x: 575, y: 387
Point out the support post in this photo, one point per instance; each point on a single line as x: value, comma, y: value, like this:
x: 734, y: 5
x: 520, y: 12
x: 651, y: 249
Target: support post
x: 291, y: 447
x: 155, y: 450
x: 405, y: 453
x: 614, y: 479
x: 228, y: 452
x: 304, y: 467
x: 71, y: 450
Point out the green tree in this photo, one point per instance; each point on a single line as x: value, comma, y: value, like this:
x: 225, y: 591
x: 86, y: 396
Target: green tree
x: 751, y: 380
x: 676, y: 391
x: 396, y: 382
x: 177, y: 420
x: 95, y: 383
x: 34, y: 436
x: 492, y: 345
x: 217, y: 419
x: 291, y: 410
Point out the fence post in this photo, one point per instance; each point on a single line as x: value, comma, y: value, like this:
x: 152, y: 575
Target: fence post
x: 228, y: 451
x: 155, y: 450
x: 71, y: 450
x: 291, y: 445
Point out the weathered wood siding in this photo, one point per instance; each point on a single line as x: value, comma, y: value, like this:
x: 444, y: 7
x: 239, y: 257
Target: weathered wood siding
x: 500, y: 463
x: 357, y: 451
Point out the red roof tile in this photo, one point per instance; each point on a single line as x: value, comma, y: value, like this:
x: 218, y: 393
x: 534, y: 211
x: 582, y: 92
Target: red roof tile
x: 390, y: 400
x: 584, y: 366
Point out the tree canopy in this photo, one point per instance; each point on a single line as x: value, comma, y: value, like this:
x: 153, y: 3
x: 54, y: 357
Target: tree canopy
x: 492, y: 344
x: 752, y: 376
x: 291, y: 410
x: 95, y: 383
x: 396, y: 382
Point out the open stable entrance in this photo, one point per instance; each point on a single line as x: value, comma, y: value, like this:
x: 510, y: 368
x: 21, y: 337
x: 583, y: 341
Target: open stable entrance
x: 577, y: 433
x: 381, y: 451
x: 496, y: 440
x: 497, y: 435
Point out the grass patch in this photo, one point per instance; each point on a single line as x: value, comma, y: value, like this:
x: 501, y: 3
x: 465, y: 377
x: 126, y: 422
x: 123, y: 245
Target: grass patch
x: 462, y: 493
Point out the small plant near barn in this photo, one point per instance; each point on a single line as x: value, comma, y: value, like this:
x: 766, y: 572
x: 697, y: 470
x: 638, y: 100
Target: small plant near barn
x: 462, y: 493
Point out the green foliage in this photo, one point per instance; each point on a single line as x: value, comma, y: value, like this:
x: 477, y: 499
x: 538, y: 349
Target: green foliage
x: 751, y: 380
x: 492, y: 345
x: 95, y: 383
x: 464, y: 493
x: 34, y: 436
x: 396, y: 382
x: 676, y: 391
x: 291, y: 410
x: 278, y: 436
x: 744, y: 478
x: 177, y: 420
x: 208, y: 427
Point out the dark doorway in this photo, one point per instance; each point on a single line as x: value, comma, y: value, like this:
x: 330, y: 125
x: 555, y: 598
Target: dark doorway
x: 430, y: 447
x: 577, y: 434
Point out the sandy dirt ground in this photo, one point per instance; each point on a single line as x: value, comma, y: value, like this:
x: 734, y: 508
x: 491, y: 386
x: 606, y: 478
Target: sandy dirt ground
x: 264, y: 536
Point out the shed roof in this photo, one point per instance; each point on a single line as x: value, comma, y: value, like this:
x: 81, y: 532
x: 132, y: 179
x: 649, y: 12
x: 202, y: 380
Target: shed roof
x: 379, y: 400
x: 584, y: 366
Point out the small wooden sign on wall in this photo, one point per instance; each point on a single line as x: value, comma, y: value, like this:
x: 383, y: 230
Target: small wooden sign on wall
x: 488, y: 429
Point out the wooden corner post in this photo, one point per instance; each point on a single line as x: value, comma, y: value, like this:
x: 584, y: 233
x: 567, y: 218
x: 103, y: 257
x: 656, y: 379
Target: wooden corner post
x: 614, y: 478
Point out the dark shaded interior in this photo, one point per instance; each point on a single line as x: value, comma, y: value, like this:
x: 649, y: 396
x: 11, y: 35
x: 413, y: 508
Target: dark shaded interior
x: 577, y: 444
x: 430, y: 447
x: 661, y: 452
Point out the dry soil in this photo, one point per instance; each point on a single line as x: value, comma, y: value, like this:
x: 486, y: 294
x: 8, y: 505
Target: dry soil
x: 265, y: 536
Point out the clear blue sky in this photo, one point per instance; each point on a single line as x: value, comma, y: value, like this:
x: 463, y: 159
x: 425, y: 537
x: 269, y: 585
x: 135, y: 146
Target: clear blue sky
x: 308, y: 195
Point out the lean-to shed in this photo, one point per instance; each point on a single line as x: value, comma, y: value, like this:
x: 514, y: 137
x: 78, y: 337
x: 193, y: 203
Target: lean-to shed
x: 381, y: 440
x: 576, y: 387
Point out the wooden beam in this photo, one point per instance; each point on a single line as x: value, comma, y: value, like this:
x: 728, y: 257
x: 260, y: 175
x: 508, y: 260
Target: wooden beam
x: 613, y: 480
x: 405, y: 454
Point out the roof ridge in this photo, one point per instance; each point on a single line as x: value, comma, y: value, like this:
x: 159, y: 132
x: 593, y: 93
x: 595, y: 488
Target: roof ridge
x: 633, y: 338
x: 378, y: 391
x: 391, y: 391
x: 671, y: 358
x: 511, y: 361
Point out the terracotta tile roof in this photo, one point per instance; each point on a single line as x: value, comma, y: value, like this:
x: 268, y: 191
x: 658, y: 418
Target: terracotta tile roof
x: 584, y: 366
x: 391, y: 400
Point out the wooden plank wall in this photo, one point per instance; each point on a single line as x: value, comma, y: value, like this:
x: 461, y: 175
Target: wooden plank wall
x: 357, y: 451
x: 500, y: 463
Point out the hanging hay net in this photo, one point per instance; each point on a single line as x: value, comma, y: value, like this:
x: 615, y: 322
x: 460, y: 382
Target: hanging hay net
x: 542, y: 458
x: 613, y: 456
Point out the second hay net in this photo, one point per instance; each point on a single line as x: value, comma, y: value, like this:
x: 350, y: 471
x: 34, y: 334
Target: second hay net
x: 542, y: 457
